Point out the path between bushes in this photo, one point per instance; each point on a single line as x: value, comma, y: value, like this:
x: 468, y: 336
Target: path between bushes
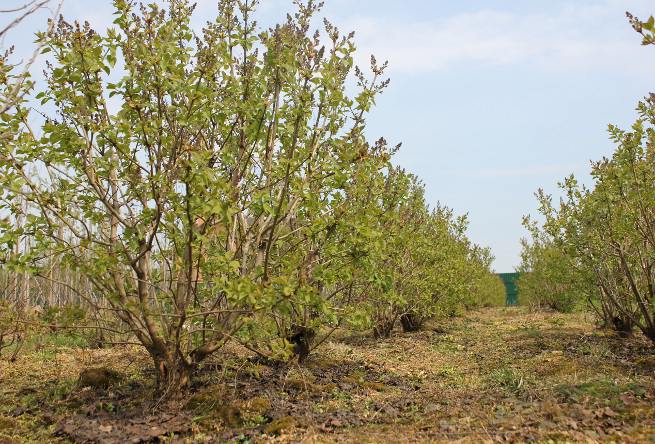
x: 497, y: 375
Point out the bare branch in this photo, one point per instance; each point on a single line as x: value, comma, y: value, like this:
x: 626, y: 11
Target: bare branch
x: 16, y: 93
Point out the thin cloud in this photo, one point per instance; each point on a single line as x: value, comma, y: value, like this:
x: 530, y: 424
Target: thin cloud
x: 559, y: 41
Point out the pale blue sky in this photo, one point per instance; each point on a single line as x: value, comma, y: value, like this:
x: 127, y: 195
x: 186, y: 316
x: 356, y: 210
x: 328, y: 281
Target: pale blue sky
x: 491, y: 99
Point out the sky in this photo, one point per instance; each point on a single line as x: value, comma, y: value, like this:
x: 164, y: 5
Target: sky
x: 491, y: 99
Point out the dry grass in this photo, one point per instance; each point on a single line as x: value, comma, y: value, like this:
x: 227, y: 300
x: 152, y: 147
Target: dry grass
x: 499, y: 375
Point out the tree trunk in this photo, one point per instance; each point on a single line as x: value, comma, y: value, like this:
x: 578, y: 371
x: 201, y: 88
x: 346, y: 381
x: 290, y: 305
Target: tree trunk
x: 649, y: 333
x: 411, y: 322
x: 301, y: 337
x: 173, y: 376
x: 623, y: 325
x: 383, y: 328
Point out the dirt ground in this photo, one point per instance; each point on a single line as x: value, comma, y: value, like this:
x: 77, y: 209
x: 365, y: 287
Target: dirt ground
x: 498, y: 375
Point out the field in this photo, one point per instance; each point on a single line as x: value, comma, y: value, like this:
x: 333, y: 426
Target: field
x: 498, y: 375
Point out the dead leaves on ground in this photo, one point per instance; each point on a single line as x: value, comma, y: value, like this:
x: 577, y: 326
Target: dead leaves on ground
x: 81, y: 429
x: 500, y: 375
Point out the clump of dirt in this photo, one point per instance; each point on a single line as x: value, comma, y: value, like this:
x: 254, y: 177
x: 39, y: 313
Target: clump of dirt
x: 280, y: 425
x: 362, y: 379
x: 646, y: 363
x: 257, y: 405
x: 98, y: 378
x: 7, y: 423
x: 206, y: 399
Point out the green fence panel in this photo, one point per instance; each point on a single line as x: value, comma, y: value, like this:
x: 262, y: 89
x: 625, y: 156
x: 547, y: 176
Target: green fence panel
x: 511, y: 290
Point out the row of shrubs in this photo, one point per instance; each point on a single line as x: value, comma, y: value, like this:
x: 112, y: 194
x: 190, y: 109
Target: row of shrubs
x: 596, y: 246
x: 218, y: 186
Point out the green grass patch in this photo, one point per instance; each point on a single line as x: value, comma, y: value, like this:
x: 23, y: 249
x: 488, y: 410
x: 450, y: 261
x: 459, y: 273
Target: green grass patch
x: 604, y: 389
x: 508, y: 379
